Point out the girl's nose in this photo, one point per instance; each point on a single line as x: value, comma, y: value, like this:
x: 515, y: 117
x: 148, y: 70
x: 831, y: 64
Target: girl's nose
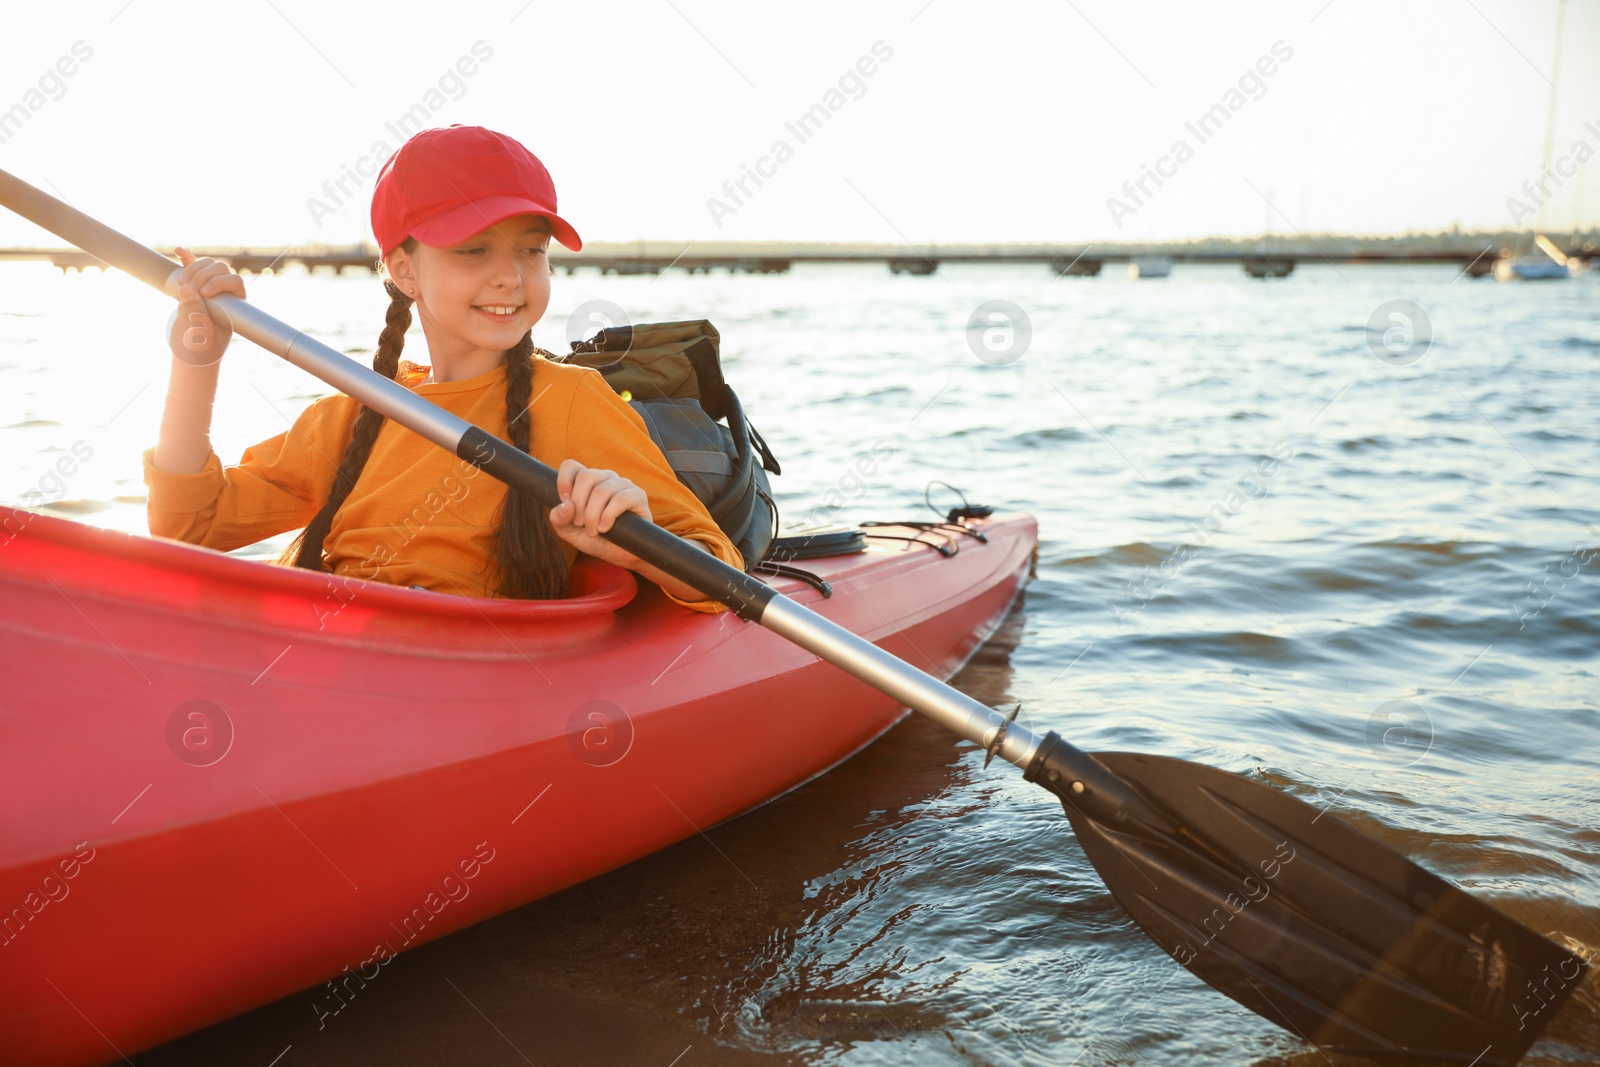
x: 508, y: 268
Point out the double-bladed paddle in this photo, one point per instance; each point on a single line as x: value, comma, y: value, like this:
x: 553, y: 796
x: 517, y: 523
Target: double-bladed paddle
x: 1283, y: 907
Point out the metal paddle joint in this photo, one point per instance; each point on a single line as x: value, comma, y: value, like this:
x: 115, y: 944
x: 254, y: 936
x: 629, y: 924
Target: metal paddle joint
x: 1084, y: 783
x: 993, y: 747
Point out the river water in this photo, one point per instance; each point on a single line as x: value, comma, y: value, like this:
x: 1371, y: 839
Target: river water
x: 1282, y: 532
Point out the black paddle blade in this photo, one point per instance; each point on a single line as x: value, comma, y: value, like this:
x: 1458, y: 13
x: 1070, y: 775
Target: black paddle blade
x: 1303, y: 919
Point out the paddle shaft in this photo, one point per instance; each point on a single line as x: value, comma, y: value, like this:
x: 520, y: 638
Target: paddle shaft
x: 750, y: 597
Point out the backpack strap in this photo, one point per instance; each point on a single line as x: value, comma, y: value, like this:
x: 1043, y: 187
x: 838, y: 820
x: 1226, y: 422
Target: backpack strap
x: 768, y: 460
x: 699, y: 462
x: 702, y: 356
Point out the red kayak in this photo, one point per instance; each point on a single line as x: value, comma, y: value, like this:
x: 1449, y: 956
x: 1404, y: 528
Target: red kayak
x: 222, y: 781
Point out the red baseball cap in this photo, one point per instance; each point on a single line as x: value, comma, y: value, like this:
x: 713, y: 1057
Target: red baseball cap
x: 444, y: 185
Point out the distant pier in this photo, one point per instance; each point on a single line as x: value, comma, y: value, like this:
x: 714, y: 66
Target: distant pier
x: 1082, y: 262
x: 657, y: 264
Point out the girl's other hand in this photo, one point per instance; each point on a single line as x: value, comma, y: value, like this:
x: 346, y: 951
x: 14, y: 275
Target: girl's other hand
x: 192, y: 334
x: 591, y: 500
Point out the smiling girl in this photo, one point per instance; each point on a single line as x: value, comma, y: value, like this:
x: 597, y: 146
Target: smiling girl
x: 464, y: 218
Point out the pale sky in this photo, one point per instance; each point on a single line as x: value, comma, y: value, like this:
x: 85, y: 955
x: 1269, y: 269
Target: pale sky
x: 1005, y: 122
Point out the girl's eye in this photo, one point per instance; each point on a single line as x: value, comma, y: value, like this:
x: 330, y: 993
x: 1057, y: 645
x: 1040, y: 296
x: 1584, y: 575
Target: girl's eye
x: 533, y: 251
x: 469, y: 251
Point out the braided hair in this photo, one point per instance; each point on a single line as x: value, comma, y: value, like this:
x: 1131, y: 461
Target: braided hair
x: 527, y: 550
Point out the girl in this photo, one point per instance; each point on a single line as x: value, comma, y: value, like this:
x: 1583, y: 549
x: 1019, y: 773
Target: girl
x: 464, y: 218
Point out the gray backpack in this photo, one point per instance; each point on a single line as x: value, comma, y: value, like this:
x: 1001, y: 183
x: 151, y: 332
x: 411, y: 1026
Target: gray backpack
x: 671, y: 374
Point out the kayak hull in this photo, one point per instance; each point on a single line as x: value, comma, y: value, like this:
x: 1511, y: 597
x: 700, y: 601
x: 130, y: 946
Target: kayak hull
x: 223, y: 782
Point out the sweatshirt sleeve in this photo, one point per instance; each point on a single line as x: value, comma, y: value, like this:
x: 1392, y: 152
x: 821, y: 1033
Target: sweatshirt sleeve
x: 277, y: 486
x: 604, y: 432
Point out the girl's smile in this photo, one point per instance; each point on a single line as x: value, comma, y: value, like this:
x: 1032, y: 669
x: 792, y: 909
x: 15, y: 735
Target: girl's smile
x: 501, y: 313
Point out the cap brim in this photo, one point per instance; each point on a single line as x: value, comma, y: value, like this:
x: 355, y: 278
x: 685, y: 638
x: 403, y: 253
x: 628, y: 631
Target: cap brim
x: 464, y: 220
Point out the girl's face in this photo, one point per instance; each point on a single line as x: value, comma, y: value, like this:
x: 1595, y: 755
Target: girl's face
x: 481, y: 295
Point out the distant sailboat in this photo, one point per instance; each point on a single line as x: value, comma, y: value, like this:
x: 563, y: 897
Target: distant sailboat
x: 1552, y: 264
x: 1267, y: 263
x: 1150, y: 266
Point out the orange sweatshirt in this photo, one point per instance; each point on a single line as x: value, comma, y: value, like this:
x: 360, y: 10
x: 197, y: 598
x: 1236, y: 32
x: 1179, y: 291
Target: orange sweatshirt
x: 418, y: 515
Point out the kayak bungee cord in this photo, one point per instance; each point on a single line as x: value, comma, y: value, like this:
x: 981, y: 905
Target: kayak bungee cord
x: 1276, y: 903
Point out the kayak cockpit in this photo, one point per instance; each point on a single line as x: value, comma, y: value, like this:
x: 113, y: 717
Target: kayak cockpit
x: 133, y: 576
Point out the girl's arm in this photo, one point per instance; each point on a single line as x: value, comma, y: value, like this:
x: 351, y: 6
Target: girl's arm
x: 604, y: 434
x: 276, y: 487
x: 591, y: 500
x: 197, y: 345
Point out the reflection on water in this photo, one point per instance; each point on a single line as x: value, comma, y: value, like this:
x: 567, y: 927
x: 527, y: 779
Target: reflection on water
x: 1370, y: 584
x: 853, y: 968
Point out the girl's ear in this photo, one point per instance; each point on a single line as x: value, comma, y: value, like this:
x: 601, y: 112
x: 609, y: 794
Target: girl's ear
x: 401, y: 272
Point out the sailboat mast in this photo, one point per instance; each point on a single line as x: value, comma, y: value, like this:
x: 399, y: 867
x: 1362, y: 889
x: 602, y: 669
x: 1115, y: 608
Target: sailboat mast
x: 1550, y: 115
